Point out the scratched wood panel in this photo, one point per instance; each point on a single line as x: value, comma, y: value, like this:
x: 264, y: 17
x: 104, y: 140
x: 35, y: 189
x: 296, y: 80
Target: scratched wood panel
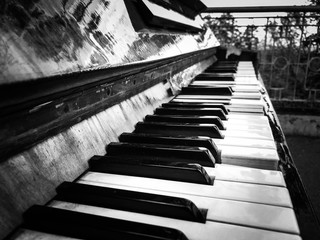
x: 47, y: 38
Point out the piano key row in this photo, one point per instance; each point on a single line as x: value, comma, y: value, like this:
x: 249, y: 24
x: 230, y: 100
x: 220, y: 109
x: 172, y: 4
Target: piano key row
x: 172, y: 179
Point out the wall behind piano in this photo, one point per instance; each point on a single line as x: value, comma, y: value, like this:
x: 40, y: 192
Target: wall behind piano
x: 41, y: 38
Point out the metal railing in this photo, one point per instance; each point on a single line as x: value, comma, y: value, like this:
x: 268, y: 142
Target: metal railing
x: 288, y: 46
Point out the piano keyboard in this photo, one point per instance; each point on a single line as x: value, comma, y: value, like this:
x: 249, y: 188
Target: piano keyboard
x: 204, y: 166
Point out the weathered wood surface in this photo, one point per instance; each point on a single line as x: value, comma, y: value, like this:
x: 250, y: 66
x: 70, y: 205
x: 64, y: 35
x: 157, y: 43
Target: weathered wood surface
x: 45, y: 38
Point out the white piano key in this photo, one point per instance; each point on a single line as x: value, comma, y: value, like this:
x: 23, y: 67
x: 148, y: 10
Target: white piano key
x: 246, y: 75
x: 233, y: 102
x: 245, y: 110
x: 245, y: 79
x: 246, y: 95
x: 245, y: 132
x: 233, y: 212
x: 238, y: 119
x: 255, y: 215
x: 248, y: 133
x: 246, y: 71
x: 254, y: 84
x: 261, y: 129
x: 244, y: 89
x: 231, y: 122
x: 255, y: 193
x: 255, y: 87
x: 234, y: 96
x: 226, y: 172
x: 193, y: 230
x: 254, y: 118
x: 245, y: 64
x: 248, y: 127
x: 247, y: 103
x: 245, y: 142
x: 234, y: 85
x: 246, y: 175
x: 250, y: 157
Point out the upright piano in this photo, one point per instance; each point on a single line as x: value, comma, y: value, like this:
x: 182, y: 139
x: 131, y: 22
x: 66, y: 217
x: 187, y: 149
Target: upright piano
x: 169, y: 141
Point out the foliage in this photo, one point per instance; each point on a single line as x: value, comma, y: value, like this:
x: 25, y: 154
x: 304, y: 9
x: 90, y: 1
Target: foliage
x: 287, y: 47
x: 226, y: 31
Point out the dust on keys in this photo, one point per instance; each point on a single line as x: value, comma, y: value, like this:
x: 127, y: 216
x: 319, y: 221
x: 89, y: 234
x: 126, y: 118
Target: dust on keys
x: 204, y: 166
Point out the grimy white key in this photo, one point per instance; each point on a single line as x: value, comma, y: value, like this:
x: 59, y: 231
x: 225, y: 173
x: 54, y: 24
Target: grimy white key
x: 250, y: 157
x: 245, y: 142
x: 193, y: 230
x: 277, y: 196
x: 246, y: 175
x: 233, y: 212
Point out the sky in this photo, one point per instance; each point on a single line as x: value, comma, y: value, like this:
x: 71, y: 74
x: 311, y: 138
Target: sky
x: 243, y: 3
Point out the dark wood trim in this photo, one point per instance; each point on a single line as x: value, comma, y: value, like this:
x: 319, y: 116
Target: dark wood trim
x: 35, y: 110
x: 38, y: 91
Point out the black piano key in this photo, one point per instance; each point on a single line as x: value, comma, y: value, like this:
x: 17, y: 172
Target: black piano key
x: 143, y: 167
x: 205, y: 142
x: 221, y: 69
x: 186, y: 119
x: 195, y: 105
x: 204, y: 98
x: 192, y: 111
x: 203, y: 103
x: 147, y: 203
x: 208, y: 86
x: 179, y: 129
x: 224, y: 63
x: 162, y: 152
x: 205, y: 90
x: 89, y: 226
x: 210, y: 91
x: 215, y: 76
